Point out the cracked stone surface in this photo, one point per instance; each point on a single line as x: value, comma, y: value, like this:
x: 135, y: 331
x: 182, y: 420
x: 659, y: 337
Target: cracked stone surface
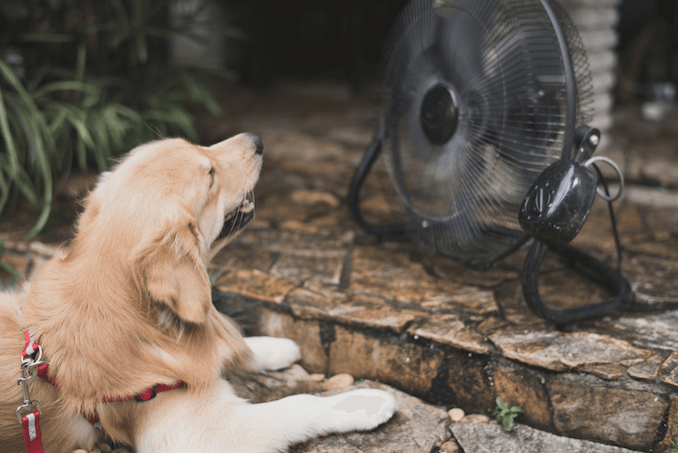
x: 630, y: 416
x: 487, y: 438
x: 672, y: 428
x: 669, y: 370
x: 395, y: 312
x: 558, y: 351
x: 450, y: 330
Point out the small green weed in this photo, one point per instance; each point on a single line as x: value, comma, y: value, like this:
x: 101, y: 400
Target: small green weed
x: 505, y: 414
x: 672, y: 450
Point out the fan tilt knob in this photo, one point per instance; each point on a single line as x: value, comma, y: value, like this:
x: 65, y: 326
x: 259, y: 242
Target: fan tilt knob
x: 439, y: 114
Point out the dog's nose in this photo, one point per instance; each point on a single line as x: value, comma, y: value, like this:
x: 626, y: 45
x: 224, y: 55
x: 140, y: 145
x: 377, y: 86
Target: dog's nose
x: 258, y: 144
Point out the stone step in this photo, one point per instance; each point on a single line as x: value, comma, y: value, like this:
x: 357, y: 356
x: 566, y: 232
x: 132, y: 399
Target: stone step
x: 486, y: 438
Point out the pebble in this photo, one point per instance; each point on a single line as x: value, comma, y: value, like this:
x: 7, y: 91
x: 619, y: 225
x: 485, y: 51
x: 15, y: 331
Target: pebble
x: 338, y: 381
x: 456, y: 414
x: 105, y: 448
x: 308, y: 197
x: 317, y: 377
x: 450, y: 446
x: 475, y: 419
x: 298, y: 226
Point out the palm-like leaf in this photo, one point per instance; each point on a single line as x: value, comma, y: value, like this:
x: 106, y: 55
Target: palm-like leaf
x: 107, y: 101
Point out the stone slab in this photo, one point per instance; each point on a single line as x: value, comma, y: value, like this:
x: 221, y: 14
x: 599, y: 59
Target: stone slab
x: 325, y: 244
x: 256, y: 285
x: 671, y: 437
x: 646, y: 330
x: 558, y: 351
x: 390, y: 273
x: 652, y: 279
x: 668, y: 372
x: 403, y: 365
x: 321, y: 301
x: 647, y: 370
x: 623, y: 417
x: 308, y: 334
x: 464, y: 381
x: 450, y: 330
x: 523, y: 388
x: 303, y: 268
x: 489, y: 438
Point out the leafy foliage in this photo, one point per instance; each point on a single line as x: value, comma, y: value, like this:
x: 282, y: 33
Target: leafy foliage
x: 81, y: 82
x: 505, y: 414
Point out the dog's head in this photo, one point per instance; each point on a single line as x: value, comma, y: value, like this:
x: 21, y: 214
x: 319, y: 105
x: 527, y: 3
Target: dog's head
x: 170, y: 206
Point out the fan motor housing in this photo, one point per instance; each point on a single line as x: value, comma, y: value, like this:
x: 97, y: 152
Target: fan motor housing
x: 439, y: 114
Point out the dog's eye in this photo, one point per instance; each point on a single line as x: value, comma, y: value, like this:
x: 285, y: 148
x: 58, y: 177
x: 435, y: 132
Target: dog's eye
x: 211, y: 177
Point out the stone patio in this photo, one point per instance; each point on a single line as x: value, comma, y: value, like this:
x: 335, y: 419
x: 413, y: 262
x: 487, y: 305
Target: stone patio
x: 398, y: 314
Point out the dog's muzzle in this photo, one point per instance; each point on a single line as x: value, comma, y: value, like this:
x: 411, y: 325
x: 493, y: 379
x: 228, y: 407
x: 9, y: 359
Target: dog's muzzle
x: 238, y: 218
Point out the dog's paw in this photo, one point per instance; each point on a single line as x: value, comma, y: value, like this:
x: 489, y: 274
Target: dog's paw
x: 272, y: 353
x: 361, y: 409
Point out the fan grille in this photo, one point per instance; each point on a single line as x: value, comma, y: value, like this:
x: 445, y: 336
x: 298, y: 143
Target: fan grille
x: 501, y: 61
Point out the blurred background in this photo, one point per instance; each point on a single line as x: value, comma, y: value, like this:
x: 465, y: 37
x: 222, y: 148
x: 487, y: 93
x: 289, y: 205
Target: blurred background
x: 82, y: 81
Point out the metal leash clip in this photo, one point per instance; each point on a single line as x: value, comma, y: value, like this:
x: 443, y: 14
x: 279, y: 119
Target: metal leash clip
x: 29, y: 370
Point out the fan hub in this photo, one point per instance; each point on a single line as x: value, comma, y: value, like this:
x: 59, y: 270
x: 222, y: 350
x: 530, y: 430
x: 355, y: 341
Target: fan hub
x: 439, y: 114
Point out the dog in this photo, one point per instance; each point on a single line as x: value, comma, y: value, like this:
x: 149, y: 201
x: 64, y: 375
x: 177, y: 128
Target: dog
x: 127, y: 311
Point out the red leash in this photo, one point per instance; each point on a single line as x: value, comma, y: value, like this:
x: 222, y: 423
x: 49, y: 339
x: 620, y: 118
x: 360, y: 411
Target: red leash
x: 32, y: 366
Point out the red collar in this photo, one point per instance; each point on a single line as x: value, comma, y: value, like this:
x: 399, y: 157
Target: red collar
x: 31, y: 366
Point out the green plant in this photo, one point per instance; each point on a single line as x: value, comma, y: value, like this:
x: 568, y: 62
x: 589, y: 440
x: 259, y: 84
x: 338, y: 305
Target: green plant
x: 504, y: 414
x: 672, y: 450
x: 92, y: 83
x: 8, y: 267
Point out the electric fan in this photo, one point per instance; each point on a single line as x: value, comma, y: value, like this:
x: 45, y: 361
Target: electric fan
x: 482, y: 132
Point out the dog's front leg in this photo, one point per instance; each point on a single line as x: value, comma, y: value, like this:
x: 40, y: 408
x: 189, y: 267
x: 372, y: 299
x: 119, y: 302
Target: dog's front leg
x: 271, y: 353
x: 298, y: 418
x: 178, y: 421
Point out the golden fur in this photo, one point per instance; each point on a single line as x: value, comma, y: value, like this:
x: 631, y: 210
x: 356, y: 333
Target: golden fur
x: 130, y: 305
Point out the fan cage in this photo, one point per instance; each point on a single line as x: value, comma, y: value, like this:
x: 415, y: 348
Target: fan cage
x: 502, y: 61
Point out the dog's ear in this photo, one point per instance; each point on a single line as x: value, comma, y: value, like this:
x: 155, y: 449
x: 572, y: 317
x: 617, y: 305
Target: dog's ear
x: 174, y: 273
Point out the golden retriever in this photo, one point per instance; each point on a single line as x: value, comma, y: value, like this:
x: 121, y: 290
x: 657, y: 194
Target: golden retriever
x: 129, y: 307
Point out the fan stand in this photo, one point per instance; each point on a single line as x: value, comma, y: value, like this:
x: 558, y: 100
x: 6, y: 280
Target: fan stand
x: 359, y: 176
x: 556, y: 227
x: 567, y: 319
x: 564, y: 319
x: 586, y: 141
